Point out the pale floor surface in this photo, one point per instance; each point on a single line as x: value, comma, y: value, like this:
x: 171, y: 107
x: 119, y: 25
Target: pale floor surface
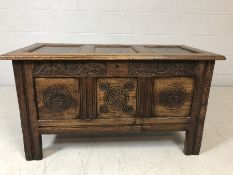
x: 155, y: 154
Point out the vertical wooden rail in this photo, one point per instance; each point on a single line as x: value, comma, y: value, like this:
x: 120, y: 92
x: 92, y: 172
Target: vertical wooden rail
x: 88, y: 98
x: 27, y: 106
x: 193, y: 136
x: 200, y: 120
x: 145, y: 96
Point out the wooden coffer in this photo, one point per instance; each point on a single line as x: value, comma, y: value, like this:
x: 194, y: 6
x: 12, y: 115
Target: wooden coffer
x: 69, y: 88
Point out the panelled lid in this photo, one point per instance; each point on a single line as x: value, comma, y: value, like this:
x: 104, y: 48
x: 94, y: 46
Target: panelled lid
x: 48, y: 51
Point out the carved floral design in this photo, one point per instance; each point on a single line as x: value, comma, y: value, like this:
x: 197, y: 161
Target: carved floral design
x: 57, y: 98
x: 116, y: 96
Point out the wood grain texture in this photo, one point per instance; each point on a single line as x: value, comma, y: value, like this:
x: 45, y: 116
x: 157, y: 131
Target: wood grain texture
x: 48, y: 51
x: 172, y: 96
x: 58, y: 98
x: 116, y: 97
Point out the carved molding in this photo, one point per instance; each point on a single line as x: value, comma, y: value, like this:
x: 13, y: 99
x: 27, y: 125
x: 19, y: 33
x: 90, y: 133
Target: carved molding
x: 173, y: 97
x: 117, y: 97
x: 161, y: 68
x: 57, y: 98
x: 70, y: 68
x: 96, y: 69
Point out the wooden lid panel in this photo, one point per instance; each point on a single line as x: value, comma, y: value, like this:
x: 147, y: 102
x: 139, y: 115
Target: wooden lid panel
x: 108, y: 49
x: 49, y: 51
x: 114, y: 49
x: 57, y: 50
x: 168, y: 50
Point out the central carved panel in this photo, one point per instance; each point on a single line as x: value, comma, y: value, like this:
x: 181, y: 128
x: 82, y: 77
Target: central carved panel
x: 116, y: 97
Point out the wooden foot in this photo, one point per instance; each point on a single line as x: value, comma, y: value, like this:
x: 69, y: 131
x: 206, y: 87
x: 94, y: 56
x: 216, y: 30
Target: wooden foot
x: 188, y: 143
x: 33, y: 148
x: 193, y: 139
x: 192, y: 143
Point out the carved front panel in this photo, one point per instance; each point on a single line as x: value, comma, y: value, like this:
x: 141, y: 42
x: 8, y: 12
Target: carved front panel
x: 116, y: 97
x: 172, y: 97
x: 57, y: 98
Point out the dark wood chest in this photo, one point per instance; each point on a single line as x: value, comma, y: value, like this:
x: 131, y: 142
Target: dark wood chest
x: 67, y: 88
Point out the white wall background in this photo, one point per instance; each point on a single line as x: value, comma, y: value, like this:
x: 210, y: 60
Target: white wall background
x: 205, y: 24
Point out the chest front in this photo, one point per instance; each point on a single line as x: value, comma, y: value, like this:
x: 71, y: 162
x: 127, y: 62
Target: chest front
x: 113, y: 90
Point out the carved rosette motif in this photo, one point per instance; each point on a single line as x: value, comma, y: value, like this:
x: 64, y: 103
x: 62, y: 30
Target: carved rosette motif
x: 57, y: 98
x: 117, y: 97
x: 173, y: 97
